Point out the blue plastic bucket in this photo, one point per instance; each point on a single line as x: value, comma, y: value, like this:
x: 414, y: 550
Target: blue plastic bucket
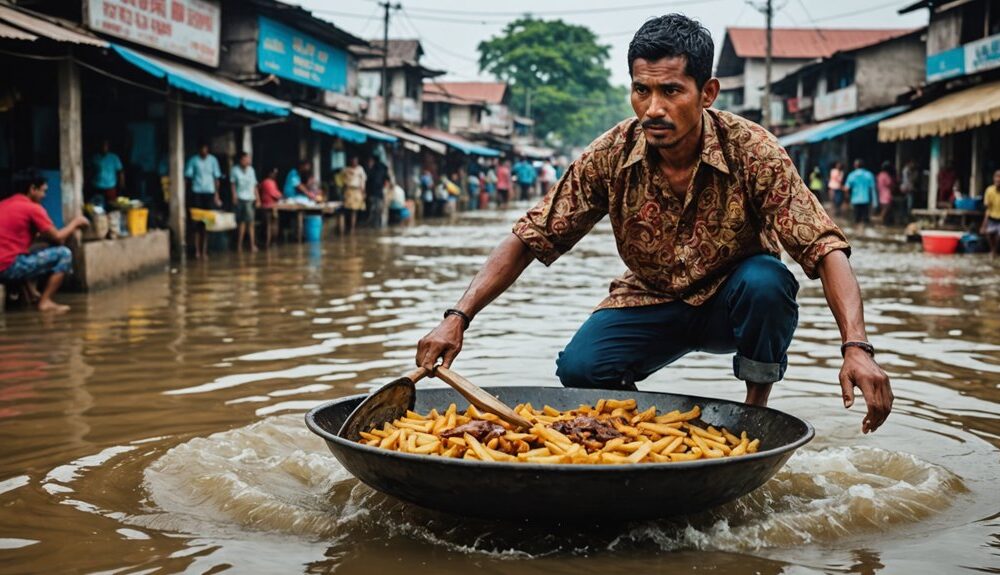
x: 313, y: 228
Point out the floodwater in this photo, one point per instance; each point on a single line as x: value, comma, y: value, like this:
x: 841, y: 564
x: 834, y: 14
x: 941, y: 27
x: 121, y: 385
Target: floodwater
x: 157, y: 427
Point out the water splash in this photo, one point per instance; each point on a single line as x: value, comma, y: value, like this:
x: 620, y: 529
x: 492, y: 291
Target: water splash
x: 276, y: 477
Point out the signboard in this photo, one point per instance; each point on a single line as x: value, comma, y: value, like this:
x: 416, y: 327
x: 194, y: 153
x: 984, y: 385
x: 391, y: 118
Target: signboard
x: 290, y: 54
x: 185, y: 28
x: 836, y: 103
x: 966, y: 59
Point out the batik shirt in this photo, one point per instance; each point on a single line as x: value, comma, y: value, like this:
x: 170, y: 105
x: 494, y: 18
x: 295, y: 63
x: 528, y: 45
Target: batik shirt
x: 745, y: 198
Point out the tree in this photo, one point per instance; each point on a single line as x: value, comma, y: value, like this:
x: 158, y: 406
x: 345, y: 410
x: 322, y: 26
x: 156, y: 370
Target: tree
x: 560, y: 70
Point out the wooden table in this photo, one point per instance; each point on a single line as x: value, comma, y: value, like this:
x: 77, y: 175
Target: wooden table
x: 300, y: 211
x: 940, y: 217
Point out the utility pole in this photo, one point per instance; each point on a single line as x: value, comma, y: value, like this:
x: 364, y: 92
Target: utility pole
x: 766, y: 100
x: 385, y: 57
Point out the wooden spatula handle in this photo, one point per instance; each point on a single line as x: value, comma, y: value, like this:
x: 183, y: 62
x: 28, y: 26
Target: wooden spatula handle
x: 418, y: 374
x: 480, y: 398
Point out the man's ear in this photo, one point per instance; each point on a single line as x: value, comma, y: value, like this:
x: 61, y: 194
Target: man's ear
x: 709, y: 92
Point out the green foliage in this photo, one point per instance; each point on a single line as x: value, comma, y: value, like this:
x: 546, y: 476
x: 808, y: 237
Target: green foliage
x: 563, y: 70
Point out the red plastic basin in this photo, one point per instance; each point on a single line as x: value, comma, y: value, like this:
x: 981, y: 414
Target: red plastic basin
x: 940, y: 241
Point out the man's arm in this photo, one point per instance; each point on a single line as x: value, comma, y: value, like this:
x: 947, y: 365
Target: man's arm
x: 505, y: 264
x: 59, y: 236
x: 859, y: 369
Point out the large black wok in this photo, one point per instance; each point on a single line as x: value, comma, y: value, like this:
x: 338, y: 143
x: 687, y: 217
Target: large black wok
x: 593, y: 492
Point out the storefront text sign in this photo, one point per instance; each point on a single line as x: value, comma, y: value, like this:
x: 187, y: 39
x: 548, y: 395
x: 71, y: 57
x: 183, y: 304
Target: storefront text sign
x: 290, y: 54
x: 185, y: 28
x: 966, y: 59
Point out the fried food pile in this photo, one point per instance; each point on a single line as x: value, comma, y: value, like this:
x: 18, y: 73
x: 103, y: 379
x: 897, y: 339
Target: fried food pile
x: 611, y: 432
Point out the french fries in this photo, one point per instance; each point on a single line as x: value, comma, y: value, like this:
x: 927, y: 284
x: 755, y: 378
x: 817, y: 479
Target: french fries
x: 611, y: 432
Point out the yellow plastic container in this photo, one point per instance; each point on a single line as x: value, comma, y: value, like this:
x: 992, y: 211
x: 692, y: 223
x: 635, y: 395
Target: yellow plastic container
x: 137, y: 220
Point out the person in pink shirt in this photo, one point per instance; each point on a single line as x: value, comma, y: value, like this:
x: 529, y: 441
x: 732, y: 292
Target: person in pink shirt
x: 503, y: 183
x: 22, y: 218
x: 269, y: 196
x: 835, y: 186
x: 886, y: 184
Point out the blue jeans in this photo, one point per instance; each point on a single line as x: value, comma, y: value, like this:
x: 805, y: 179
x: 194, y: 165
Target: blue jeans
x: 753, y: 314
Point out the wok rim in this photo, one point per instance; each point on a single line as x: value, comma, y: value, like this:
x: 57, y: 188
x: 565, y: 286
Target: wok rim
x: 310, y: 419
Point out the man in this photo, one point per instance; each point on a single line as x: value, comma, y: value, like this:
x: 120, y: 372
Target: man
x: 378, y: 175
x: 909, y: 187
x: 526, y: 175
x: 547, y: 177
x: 203, y: 174
x: 700, y: 202
x: 22, y: 218
x: 109, y: 174
x: 991, y: 217
x: 246, y: 199
x: 861, y: 186
x: 298, y: 182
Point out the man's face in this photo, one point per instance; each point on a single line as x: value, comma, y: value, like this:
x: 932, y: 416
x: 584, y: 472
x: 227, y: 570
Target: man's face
x: 996, y: 178
x: 245, y: 161
x: 37, y: 193
x: 667, y: 101
x: 203, y: 151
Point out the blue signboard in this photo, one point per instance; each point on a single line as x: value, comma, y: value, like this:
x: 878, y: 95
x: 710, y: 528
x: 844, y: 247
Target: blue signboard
x: 290, y: 54
x: 947, y: 64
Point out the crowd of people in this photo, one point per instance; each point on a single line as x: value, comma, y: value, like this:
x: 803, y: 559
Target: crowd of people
x: 488, y: 182
x: 887, y: 196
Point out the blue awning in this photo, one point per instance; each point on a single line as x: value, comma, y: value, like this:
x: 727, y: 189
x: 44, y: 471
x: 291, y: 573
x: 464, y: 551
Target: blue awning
x: 204, y: 84
x: 347, y: 131
x: 802, y: 136
x: 836, y: 128
x: 457, y: 142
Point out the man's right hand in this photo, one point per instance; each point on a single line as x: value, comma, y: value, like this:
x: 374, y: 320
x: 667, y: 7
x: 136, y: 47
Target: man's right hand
x: 80, y: 222
x: 443, y: 342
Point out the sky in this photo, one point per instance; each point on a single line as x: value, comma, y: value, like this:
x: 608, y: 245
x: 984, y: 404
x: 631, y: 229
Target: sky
x: 450, y: 30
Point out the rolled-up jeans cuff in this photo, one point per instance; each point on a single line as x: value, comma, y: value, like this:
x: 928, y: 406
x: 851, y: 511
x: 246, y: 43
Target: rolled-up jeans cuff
x: 752, y: 371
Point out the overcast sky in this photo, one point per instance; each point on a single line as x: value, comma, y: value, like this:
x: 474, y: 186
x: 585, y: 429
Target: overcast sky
x: 450, y: 30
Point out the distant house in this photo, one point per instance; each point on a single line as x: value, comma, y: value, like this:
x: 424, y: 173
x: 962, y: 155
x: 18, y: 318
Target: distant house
x: 474, y: 108
x: 406, y: 77
x: 741, y: 69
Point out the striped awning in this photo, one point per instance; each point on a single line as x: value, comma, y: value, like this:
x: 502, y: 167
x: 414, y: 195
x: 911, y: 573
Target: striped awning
x: 46, y: 27
x: 957, y: 112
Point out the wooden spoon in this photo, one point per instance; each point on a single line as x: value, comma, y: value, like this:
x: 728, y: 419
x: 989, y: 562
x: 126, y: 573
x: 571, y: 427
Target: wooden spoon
x: 480, y: 398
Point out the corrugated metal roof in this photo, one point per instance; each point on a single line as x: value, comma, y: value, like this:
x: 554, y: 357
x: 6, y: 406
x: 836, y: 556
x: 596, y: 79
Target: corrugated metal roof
x: 48, y: 27
x: 806, y: 42
x: 467, y: 92
x: 15, y: 34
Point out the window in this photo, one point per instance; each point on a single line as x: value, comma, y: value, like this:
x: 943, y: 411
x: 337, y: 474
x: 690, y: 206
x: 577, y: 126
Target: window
x: 974, y: 24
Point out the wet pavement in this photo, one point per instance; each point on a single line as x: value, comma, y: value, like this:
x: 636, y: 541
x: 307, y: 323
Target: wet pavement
x: 157, y: 427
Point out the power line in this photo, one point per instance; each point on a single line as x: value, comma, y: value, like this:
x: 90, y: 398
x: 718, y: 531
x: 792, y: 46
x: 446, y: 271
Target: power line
x: 561, y: 12
x: 856, y: 12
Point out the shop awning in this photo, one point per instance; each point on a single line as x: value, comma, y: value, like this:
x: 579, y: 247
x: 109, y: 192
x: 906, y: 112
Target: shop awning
x: 12, y: 33
x: 46, y: 27
x: 203, y: 84
x: 457, y: 142
x: 803, y: 135
x: 836, y: 128
x: 957, y: 112
x: 410, y: 141
x: 347, y: 131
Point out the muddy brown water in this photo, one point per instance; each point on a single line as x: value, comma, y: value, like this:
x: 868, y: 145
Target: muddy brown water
x: 157, y: 427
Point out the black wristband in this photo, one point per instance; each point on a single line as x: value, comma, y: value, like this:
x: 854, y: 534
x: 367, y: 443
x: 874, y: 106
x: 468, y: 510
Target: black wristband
x: 867, y: 347
x: 466, y: 320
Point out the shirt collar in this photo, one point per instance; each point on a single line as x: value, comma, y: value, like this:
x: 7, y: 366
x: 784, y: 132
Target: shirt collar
x: 711, y: 147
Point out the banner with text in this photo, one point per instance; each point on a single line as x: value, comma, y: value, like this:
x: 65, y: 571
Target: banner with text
x: 288, y: 53
x: 185, y: 28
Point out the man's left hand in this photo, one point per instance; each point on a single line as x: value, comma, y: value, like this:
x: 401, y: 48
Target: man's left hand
x: 861, y: 371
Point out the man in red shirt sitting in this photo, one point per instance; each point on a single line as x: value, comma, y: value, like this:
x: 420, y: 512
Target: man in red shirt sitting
x: 22, y: 218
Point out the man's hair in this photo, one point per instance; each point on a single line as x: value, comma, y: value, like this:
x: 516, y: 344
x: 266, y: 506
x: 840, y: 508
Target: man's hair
x: 242, y: 155
x: 675, y: 35
x: 26, y: 179
x: 859, y: 163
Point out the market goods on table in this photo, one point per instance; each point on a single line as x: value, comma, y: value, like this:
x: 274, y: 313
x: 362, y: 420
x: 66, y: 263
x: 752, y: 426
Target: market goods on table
x: 609, y: 432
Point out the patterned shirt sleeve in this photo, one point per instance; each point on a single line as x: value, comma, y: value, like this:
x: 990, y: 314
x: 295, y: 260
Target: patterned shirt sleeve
x: 788, y: 208
x: 568, y: 211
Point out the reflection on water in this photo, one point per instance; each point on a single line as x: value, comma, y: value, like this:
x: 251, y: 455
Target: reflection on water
x: 158, y: 426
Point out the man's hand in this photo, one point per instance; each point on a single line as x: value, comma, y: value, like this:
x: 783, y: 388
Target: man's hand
x: 443, y: 342
x: 80, y: 222
x: 861, y: 371
x: 218, y: 201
